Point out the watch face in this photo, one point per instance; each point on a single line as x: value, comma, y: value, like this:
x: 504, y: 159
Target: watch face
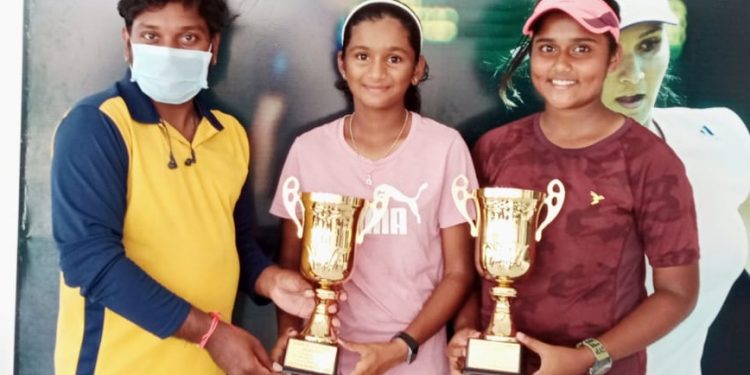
x: 601, y: 367
x: 410, y: 357
x: 603, y: 360
x: 599, y: 371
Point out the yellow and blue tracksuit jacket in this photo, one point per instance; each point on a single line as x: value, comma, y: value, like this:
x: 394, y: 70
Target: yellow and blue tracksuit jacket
x: 141, y: 242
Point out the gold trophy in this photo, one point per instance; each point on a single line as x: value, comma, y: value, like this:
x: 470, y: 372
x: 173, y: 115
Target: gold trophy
x: 507, y: 218
x: 331, y: 224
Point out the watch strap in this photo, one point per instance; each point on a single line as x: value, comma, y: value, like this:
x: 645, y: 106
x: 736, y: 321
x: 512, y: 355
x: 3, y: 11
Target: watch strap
x: 603, y: 361
x: 411, y: 343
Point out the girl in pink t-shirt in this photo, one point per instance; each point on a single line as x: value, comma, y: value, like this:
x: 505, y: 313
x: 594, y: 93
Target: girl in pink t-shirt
x: 583, y: 307
x: 414, y: 269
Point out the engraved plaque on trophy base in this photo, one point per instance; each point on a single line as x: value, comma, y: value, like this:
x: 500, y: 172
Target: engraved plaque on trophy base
x: 310, y: 358
x: 485, y: 357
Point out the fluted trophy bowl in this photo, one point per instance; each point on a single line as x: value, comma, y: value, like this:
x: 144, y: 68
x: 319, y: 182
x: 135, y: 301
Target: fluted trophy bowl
x: 329, y: 238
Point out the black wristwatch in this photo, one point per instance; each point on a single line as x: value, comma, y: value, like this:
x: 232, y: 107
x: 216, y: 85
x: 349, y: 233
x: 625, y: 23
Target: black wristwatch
x: 412, y: 344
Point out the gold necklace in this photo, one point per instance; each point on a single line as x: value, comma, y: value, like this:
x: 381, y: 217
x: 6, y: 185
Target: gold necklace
x: 368, y: 179
x: 390, y: 149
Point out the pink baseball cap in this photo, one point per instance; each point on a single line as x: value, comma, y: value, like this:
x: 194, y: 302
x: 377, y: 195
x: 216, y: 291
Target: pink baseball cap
x: 594, y: 15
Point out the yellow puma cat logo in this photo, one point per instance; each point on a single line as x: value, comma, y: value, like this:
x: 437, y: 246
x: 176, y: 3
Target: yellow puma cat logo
x: 596, y: 198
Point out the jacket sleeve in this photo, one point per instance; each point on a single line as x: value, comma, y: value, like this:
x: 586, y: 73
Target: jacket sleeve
x: 89, y: 188
x: 252, y: 258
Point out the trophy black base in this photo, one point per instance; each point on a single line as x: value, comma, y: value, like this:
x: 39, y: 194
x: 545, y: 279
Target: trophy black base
x: 310, y: 358
x: 485, y: 357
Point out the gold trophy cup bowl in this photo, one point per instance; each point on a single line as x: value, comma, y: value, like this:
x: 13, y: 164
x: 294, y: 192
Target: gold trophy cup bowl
x: 330, y: 228
x: 507, y: 229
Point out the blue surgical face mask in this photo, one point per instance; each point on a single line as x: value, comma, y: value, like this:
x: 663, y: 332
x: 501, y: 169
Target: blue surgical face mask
x: 169, y: 75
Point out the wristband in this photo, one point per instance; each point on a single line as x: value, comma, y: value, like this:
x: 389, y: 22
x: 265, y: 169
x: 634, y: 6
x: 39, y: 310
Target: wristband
x: 603, y: 362
x: 215, y: 317
x: 411, y: 343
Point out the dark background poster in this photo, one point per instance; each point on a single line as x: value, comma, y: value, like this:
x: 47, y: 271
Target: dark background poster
x: 276, y: 74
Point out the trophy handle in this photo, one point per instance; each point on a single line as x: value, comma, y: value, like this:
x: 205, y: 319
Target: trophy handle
x: 378, y: 207
x: 461, y: 194
x: 290, y: 197
x: 554, y: 201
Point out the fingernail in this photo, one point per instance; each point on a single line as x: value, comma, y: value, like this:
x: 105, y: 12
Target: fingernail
x: 309, y: 293
x: 277, y: 367
x: 520, y: 336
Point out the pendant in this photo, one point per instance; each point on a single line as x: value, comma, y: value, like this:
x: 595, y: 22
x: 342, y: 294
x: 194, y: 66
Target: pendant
x: 368, y: 180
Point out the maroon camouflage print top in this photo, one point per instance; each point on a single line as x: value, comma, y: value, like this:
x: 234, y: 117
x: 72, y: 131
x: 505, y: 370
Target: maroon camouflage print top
x: 589, y: 268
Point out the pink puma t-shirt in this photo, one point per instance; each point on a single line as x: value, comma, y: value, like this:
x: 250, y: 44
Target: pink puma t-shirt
x: 400, y: 262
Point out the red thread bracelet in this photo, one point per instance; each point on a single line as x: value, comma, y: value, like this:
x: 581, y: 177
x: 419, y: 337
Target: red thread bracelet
x: 215, y: 317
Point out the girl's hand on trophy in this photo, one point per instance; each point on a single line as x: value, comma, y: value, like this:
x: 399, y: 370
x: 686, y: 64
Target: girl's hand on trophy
x: 335, y: 325
x: 558, y: 360
x: 376, y: 358
x: 456, y: 350
x: 333, y: 308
